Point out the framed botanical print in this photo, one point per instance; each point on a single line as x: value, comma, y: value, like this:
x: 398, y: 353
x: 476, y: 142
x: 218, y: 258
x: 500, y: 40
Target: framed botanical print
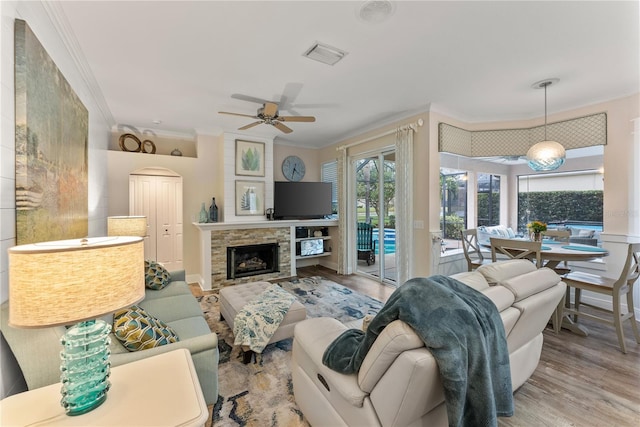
x: 249, y: 198
x: 249, y: 158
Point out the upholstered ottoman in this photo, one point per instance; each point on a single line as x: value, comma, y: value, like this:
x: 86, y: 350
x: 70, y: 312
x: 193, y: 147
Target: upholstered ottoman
x: 234, y: 298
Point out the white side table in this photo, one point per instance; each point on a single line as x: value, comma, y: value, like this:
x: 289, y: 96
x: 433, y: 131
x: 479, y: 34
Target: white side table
x: 162, y: 390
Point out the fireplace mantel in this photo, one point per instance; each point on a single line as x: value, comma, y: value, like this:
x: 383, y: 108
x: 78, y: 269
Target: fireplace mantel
x: 205, y: 230
x: 266, y: 224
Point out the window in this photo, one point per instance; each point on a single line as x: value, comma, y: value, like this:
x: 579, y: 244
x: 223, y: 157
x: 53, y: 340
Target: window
x: 453, y: 202
x: 329, y: 173
x: 572, y: 199
x: 488, y: 199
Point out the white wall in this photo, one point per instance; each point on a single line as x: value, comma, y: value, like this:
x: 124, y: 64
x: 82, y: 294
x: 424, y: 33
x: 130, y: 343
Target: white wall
x: 202, y: 179
x: 46, y: 27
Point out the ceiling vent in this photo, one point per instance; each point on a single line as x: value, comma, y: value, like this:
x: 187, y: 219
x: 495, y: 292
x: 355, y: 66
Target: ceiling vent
x: 324, y: 53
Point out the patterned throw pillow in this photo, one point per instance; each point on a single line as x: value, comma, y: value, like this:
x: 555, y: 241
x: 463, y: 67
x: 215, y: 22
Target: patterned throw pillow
x: 138, y: 330
x: 156, y: 276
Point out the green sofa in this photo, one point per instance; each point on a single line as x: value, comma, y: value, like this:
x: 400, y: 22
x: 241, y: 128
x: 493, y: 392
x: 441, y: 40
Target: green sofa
x: 37, y: 351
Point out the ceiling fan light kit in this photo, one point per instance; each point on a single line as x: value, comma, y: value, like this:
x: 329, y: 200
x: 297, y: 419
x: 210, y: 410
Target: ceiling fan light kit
x: 268, y: 114
x: 545, y: 155
x: 376, y: 11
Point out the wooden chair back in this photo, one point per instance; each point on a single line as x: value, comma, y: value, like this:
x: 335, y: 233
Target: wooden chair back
x: 365, y: 244
x: 471, y: 248
x: 558, y: 235
x: 616, y: 288
x: 516, y: 249
x: 364, y: 240
x: 563, y: 237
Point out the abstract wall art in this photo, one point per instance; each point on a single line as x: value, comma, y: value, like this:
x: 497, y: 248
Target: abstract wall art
x: 51, y: 147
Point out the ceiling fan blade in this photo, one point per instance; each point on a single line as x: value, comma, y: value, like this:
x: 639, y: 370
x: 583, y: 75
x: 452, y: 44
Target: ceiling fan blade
x: 297, y: 118
x: 282, y: 127
x: 237, y: 114
x: 249, y: 98
x: 289, y: 95
x: 250, y: 125
x: 270, y: 109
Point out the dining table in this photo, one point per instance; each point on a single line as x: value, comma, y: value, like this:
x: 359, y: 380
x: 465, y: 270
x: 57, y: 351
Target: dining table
x: 552, y: 253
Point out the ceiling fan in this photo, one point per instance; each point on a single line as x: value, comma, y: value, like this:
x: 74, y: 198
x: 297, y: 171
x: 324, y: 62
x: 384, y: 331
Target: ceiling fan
x: 507, y: 159
x: 268, y: 114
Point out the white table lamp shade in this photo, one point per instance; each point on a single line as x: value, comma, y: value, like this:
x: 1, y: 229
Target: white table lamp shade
x: 127, y: 226
x: 64, y: 282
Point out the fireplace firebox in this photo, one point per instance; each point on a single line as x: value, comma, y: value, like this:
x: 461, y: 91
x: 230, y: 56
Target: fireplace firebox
x: 252, y: 260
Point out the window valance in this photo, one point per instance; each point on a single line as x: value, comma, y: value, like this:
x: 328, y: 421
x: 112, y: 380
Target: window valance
x: 581, y: 132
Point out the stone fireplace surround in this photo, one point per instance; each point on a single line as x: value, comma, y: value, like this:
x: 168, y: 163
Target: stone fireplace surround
x: 216, y: 237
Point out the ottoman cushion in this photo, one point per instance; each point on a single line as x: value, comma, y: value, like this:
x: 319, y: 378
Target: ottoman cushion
x: 233, y: 298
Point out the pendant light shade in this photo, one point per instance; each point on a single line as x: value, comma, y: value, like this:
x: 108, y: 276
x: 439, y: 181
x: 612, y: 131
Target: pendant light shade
x: 545, y: 155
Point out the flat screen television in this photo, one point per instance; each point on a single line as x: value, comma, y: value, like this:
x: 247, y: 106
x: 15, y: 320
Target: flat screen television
x: 301, y: 200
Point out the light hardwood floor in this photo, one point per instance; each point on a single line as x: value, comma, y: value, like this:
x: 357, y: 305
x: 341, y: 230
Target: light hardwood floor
x: 579, y: 382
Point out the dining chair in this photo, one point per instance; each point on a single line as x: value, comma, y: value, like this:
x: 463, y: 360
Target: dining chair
x: 516, y: 249
x: 471, y: 249
x: 525, y: 249
x: 561, y: 236
x: 616, y: 288
x: 557, y: 235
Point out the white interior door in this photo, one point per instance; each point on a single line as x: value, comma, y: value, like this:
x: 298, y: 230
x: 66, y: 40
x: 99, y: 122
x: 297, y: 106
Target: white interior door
x: 169, y: 222
x: 142, y: 201
x: 159, y: 198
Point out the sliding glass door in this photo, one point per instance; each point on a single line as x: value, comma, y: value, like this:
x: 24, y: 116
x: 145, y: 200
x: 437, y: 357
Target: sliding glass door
x: 374, y: 205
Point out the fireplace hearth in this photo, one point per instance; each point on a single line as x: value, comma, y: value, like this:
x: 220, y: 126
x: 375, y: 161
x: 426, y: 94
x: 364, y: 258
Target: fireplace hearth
x: 252, y: 260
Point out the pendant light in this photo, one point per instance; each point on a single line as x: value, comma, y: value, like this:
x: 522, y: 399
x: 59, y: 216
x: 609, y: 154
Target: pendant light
x: 545, y: 155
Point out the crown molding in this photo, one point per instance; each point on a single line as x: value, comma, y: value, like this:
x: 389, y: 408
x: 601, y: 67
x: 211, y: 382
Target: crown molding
x: 61, y: 24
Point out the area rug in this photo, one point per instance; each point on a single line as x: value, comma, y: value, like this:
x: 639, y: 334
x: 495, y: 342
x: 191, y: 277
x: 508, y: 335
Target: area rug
x: 261, y: 393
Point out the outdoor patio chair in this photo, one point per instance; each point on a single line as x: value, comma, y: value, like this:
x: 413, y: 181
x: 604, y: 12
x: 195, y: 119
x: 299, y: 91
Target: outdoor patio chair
x: 616, y: 288
x: 365, y: 243
x: 471, y: 249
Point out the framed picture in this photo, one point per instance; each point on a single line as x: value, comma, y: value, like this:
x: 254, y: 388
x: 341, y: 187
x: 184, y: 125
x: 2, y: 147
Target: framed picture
x: 249, y: 158
x: 249, y: 198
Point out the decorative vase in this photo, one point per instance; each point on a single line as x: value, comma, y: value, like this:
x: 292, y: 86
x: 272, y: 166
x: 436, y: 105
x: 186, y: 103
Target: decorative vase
x: 536, y: 237
x: 213, y: 211
x: 203, y: 215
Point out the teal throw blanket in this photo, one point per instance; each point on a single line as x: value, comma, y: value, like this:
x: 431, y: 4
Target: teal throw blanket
x: 463, y: 330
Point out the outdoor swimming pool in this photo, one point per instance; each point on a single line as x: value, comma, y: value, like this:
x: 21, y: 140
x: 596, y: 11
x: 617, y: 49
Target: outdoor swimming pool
x: 578, y: 224
x: 389, y: 240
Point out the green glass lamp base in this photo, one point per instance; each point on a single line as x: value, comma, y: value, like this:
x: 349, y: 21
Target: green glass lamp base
x: 85, y: 366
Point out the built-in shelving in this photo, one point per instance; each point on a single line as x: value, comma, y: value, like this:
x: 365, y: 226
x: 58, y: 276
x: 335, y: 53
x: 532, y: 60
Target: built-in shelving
x: 327, y: 253
x: 311, y: 231
x: 330, y: 228
x: 164, y: 146
x: 314, y: 238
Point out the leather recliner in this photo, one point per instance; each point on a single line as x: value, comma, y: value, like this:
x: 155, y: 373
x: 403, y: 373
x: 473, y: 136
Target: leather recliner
x: 399, y: 383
